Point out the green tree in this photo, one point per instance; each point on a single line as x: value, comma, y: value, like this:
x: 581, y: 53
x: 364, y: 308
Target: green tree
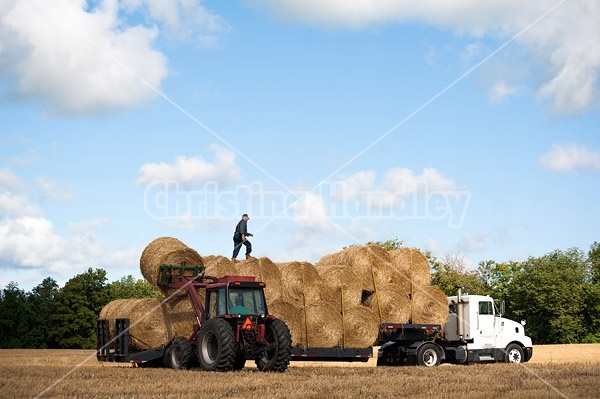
x: 77, y: 307
x: 389, y: 245
x: 13, y: 320
x: 549, y: 292
x: 592, y: 296
x: 594, y: 258
x: 129, y: 287
x: 451, y: 273
x: 497, y: 278
x: 41, y: 308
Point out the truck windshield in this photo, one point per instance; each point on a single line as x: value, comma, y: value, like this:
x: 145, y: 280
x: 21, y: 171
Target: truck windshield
x: 246, y: 301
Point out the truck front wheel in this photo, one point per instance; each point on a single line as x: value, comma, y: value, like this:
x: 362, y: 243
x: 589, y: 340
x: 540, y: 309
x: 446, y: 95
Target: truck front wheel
x: 428, y: 355
x: 216, y: 346
x: 513, y: 354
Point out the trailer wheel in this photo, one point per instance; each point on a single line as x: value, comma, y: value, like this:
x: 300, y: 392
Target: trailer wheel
x: 216, y: 346
x: 278, y: 347
x: 513, y: 354
x: 179, y: 354
x: 428, y: 355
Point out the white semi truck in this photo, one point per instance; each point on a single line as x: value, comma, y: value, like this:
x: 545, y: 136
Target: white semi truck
x: 475, y: 331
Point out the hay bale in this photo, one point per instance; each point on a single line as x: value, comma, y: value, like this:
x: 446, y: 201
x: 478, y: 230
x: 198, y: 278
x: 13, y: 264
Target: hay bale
x: 153, y: 321
x: 180, y: 318
x: 393, y: 306
x: 263, y: 269
x: 300, y: 283
x: 360, y: 327
x: 166, y: 251
x: 148, y: 327
x: 371, y: 263
x: 322, y: 326
x: 412, y: 267
x: 340, y: 282
x: 292, y: 316
x: 429, y: 306
x: 218, y: 266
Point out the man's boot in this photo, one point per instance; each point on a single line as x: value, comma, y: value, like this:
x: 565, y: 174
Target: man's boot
x: 234, y: 260
x: 248, y: 256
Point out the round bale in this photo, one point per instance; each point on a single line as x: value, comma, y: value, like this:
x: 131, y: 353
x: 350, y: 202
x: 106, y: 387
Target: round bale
x: 300, y: 283
x: 429, y: 306
x: 263, y: 269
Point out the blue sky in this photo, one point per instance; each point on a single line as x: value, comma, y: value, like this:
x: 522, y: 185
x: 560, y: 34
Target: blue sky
x: 469, y: 129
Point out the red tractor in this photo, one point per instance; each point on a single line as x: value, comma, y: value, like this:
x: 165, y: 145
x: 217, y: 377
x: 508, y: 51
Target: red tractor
x: 232, y: 326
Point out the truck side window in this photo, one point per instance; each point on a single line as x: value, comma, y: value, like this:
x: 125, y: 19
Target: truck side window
x: 486, y: 308
x: 212, y: 310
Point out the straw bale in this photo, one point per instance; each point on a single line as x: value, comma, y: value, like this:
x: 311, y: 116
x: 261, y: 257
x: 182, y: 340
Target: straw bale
x: 371, y: 263
x: 340, y: 282
x: 300, y: 283
x: 429, y: 306
x: 263, y: 269
x: 180, y: 317
x: 219, y: 266
x: 166, y: 251
x: 321, y: 323
x: 148, y: 325
x: 412, y: 265
x: 292, y: 316
x: 360, y: 327
x: 393, y: 305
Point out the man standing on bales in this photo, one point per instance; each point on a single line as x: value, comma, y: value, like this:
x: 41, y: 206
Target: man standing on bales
x: 240, y: 237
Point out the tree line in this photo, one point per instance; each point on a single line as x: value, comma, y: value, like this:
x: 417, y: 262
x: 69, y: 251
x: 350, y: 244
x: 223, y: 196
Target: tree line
x: 557, y: 295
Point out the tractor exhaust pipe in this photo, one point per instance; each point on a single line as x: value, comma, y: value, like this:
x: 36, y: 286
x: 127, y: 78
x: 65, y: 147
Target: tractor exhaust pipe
x: 459, y: 314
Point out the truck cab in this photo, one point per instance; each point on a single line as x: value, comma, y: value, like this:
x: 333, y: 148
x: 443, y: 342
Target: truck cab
x: 487, y: 336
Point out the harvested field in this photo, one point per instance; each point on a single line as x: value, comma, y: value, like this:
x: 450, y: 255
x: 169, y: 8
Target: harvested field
x: 77, y: 374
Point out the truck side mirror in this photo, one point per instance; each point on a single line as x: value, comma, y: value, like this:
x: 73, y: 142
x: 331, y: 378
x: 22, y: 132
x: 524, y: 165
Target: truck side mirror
x: 502, y: 308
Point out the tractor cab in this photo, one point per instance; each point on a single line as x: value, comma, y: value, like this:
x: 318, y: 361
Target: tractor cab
x: 235, y: 297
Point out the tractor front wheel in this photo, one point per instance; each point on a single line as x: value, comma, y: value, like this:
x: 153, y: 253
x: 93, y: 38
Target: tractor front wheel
x: 179, y: 354
x: 216, y: 346
x: 278, y: 347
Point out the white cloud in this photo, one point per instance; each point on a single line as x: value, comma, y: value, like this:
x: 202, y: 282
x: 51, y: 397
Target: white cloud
x: 309, y: 213
x: 474, y: 243
x: 8, y: 180
x: 395, y: 184
x: 501, y: 91
x: 88, y: 61
x: 183, y: 20
x: 571, y: 158
x: 564, y: 43
x: 51, y: 190
x: 192, y: 170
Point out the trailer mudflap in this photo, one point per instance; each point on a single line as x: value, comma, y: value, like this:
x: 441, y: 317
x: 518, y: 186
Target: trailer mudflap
x: 332, y: 354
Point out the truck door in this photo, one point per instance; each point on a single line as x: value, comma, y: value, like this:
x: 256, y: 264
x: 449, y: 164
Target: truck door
x: 485, y: 324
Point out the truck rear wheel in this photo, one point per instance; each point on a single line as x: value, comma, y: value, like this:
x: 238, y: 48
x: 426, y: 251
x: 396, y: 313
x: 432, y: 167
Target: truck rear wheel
x: 216, y: 346
x: 179, y: 354
x: 428, y: 355
x: 278, y: 347
x: 513, y: 354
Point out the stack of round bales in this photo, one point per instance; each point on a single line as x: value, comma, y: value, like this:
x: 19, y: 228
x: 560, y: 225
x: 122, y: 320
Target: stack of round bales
x: 153, y: 321
x: 218, y: 266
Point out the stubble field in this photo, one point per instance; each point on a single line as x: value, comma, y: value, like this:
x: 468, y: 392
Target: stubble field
x: 556, y: 371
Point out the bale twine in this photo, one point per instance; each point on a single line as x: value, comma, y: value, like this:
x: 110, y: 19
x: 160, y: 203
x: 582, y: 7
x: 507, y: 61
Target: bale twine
x: 292, y: 316
x: 321, y: 323
x: 263, y: 269
x: 147, y: 320
x: 360, y: 327
x: 340, y: 282
x: 394, y: 304
x: 300, y: 283
x: 166, y: 251
x: 429, y: 306
x: 218, y: 266
x: 411, y: 266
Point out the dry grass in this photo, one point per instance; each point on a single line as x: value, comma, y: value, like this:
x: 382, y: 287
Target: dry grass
x: 27, y: 373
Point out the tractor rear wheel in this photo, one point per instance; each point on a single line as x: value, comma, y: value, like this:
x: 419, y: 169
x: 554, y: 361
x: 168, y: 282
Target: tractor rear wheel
x: 216, y: 346
x: 278, y: 347
x: 179, y: 354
